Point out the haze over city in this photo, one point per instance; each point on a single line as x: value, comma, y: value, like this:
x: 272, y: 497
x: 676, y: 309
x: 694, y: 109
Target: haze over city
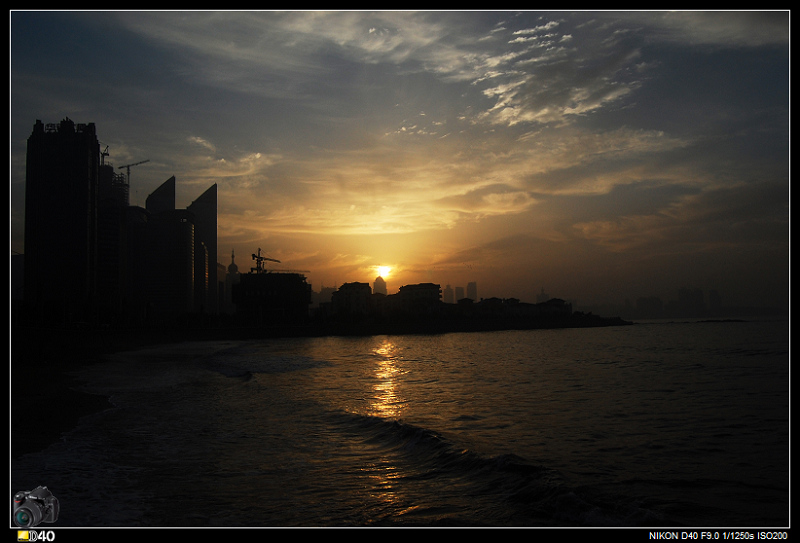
x: 598, y: 155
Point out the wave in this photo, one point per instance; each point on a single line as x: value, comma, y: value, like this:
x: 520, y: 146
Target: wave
x: 502, y: 490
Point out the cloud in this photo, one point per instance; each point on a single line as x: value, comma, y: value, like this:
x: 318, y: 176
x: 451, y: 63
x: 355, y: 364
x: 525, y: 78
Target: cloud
x: 202, y: 142
x: 286, y: 54
x: 717, y: 28
x: 552, y: 72
x: 448, y: 133
x: 747, y: 214
x: 556, y: 81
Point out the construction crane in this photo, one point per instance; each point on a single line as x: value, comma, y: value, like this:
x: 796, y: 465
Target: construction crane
x: 260, y: 262
x: 128, y: 166
x: 260, y: 265
x: 103, y: 155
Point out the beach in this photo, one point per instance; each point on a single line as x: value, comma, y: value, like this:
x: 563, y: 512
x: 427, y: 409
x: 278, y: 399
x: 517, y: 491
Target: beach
x: 44, y: 403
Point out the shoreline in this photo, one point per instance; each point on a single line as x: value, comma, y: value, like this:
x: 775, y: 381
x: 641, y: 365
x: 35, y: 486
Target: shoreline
x: 45, y: 403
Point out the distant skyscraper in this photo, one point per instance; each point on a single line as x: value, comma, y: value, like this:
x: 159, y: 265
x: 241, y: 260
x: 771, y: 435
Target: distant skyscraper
x: 472, y: 291
x: 542, y: 297
x: 231, y: 278
x: 61, y: 220
x: 379, y: 286
x: 459, y: 293
x: 448, y: 296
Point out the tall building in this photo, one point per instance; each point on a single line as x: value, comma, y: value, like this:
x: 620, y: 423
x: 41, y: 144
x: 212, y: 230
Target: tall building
x: 272, y: 298
x: 163, y: 198
x: 472, y: 291
x: 170, y: 267
x: 61, y: 221
x: 160, y: 257
x: 379, y: 286
x: 204, y: 209
x: 170, y: 258
x: 90, y: 256
x: 112, y: 202
x: 449, y: 296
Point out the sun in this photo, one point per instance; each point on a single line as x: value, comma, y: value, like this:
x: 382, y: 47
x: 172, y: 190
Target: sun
x: 383, y: 271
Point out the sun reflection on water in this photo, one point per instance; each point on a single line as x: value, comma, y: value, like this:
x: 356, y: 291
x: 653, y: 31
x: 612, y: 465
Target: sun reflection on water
x: 386, y: 401
x: 384, y: 475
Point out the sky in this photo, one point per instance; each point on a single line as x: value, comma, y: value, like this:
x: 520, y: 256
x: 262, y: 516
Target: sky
x: 600, y: 156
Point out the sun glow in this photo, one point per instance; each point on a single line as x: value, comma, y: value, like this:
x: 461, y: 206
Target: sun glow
x: 383, y: 271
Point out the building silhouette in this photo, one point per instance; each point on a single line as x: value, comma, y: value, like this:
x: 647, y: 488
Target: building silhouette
x: 542, y: 297
x: 448, y: 295
x: 163, y: 198
x: 472, y: 291
x: 160, y: 264
x: 421, y: 298
x: 325, y: 295
x: 455, y: 295
x: 62, y: 168
x: 352, y: 299
x: 90, y: 256
x: 113, y: 194
x: 204, y: 209
x: 265, y: 297
x: 231, y: 278
x: 379, y: 286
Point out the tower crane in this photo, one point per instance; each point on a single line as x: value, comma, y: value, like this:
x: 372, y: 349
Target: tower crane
x: 128, y: 166
x: 260, y: 265
x: 260, y: 262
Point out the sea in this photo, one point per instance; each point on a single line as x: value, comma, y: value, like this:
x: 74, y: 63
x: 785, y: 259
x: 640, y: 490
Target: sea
x: 659, y: 424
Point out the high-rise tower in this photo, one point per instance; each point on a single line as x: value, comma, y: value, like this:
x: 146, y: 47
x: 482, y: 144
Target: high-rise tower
x: 472, y: 291
x: 61, y: 221
x: 112, y: 202
x: 204, y: 209
x: 379, y: 286
x: 163, y: 198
